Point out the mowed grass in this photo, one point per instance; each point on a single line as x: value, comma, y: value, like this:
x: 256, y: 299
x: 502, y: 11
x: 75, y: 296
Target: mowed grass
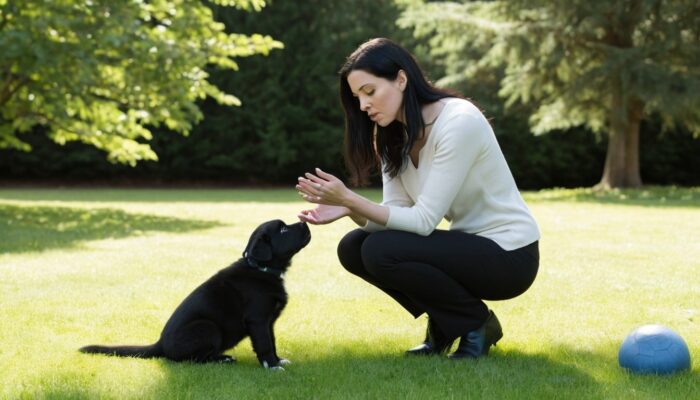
x: 79, y: 267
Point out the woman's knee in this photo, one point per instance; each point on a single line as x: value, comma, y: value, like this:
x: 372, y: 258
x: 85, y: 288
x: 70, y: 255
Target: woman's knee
x: 376, y: 252
x: 349, y: 251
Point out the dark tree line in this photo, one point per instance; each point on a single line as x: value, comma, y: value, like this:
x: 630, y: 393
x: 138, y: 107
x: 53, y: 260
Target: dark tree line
x: 290, y: 119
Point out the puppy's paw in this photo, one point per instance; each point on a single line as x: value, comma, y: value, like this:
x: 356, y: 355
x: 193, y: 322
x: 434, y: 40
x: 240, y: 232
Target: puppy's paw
x: 284, y: 361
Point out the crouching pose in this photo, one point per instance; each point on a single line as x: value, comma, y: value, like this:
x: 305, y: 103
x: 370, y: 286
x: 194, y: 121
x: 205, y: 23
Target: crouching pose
x: 439, y: 158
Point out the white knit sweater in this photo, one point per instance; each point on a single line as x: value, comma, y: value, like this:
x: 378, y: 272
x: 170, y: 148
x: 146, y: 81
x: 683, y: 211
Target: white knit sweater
x: 462, y: 176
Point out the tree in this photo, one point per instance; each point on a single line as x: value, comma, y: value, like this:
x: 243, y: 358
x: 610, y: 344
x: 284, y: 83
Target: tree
x: 292, y: 120
x: 604, y: 65
x: 105, y: 72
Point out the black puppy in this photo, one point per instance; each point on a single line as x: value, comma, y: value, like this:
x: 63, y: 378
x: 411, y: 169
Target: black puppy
x: 241, y: 300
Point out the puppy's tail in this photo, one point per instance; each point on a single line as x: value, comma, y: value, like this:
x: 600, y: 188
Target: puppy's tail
x: 150, y: 351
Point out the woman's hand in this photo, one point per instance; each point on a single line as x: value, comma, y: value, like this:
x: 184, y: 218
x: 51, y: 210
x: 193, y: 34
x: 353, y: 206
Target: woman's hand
x: 323, y: 188
x: 323, y: 214
x: 335, y: 201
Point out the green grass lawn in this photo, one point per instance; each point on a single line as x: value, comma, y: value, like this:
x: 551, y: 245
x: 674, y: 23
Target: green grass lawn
x: 79, y: 267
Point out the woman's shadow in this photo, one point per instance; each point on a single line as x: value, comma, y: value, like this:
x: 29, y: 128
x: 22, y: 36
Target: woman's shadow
x: 347, y: 373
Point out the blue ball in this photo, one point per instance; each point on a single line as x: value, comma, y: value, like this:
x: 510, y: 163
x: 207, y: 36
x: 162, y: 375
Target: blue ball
x: 654, y: 349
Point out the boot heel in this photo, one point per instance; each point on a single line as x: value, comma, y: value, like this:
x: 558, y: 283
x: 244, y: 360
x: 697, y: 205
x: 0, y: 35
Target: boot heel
x: 493, y: 329
x: 477, y: 343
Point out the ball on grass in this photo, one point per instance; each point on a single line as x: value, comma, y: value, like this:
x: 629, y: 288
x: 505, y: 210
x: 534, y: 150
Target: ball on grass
x: 654, y: 349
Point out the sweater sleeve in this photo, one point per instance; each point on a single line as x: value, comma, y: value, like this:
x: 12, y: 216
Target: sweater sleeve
x: 459, y: 145
x: 393, y: 194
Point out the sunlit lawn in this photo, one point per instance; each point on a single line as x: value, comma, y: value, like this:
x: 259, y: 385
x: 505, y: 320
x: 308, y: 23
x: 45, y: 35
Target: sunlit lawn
x: 109, y: 266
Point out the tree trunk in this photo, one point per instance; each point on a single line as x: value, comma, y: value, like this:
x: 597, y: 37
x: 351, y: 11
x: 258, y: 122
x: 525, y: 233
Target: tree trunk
x: 622, y: 158
x: 634, y: 117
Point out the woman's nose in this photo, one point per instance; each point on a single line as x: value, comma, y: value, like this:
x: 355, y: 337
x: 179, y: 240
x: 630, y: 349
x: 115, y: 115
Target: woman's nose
x: 364, y: 104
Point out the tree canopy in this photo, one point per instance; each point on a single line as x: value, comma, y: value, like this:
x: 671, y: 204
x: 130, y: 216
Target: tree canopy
x: 290, y: 119
x: 604, y: 65
x: 106, y: 72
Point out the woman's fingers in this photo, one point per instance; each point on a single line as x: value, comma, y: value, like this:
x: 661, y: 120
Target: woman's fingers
x: 318, y: 180
x: 311, y: 197
x: 308, y: 187
x: 324, y: 175
x: 309, y: 216
x: 306, y: 218
x: 314, y: 179
x: 321, y: 189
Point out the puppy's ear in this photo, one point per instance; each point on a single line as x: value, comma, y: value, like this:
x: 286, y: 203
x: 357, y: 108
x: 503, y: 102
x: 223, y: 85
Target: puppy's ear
x: 260, y: 248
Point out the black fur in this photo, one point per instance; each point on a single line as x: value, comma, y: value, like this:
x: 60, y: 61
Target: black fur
x: 244, y: 299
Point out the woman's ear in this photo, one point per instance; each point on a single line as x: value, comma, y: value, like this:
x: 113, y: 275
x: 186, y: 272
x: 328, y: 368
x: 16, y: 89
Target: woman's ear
x: 401, y: 79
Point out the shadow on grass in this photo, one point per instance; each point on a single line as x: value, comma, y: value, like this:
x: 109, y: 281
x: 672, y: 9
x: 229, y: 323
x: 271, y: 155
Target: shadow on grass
x: 35, y: 228
x: 651, y: 196
x: 559, y: 373
x: 346, y: 374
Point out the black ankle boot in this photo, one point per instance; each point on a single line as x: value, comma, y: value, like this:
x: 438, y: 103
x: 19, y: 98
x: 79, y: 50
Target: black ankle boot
x: 434, y: 343
x: 476, y: 343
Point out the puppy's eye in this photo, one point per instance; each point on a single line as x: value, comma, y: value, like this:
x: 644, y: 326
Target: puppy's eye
x: 284, y: 229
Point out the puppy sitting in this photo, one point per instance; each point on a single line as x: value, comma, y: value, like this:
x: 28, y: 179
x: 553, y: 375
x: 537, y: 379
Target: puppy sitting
x: 244, y: 299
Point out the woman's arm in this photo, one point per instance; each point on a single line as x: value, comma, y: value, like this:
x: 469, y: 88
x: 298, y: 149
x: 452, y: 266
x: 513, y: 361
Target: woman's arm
x: 456, y: 150
x: 458, y: 146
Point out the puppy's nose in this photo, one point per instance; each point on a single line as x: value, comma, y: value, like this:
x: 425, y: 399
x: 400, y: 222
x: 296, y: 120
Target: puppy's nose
x: 303, y: 226
x: 299, y: 225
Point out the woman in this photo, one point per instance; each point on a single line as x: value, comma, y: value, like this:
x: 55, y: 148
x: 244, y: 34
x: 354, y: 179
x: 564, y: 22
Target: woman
x: 439, y: 159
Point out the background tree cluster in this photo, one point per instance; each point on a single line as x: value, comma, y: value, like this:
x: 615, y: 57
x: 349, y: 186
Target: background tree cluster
x: 290, y: 121
x: 605, y: 66
x: 105, y: 73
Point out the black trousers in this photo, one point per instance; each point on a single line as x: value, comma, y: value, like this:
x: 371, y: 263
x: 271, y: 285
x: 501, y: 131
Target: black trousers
x: 447, y: 274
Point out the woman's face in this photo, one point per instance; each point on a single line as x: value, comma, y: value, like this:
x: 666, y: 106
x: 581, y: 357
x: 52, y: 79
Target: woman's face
x: 380, y: 98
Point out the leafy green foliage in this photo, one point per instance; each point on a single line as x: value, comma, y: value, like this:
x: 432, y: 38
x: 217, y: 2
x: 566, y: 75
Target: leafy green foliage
x: 104, y: 73
x: 565, y: 55
x: 605, y: 66
x: 291, y: 120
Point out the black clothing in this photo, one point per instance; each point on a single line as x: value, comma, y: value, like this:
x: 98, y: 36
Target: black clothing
x: 446, y: 274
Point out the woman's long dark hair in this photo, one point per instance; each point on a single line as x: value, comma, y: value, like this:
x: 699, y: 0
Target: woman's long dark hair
x: 383, y: 58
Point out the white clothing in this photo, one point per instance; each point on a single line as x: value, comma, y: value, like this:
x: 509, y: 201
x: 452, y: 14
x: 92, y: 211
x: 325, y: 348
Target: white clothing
x: 462, y: 176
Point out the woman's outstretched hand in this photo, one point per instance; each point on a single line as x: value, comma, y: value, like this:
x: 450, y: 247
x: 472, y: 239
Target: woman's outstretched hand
x: 335, y: 201
x: 323, y: 188
x: 323, y: 214
x: 328, y: 192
